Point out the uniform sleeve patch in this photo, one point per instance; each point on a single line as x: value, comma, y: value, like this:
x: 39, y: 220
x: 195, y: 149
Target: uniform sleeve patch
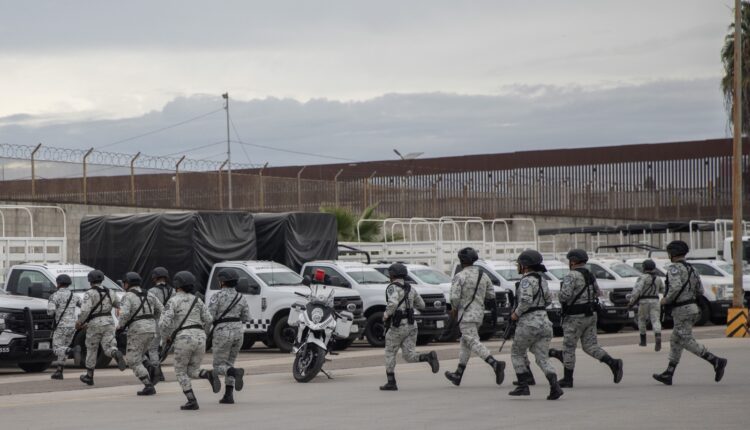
x: 391, y: 289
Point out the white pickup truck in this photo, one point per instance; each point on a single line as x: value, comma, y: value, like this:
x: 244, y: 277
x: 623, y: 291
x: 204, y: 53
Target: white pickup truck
x: 25, y: 333
x: 38, y: 280
x: 270, y: 291
x: 371, y: 285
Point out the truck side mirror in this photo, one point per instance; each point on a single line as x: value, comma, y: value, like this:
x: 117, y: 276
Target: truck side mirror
x: 244, y: 287
x: 306, y: 280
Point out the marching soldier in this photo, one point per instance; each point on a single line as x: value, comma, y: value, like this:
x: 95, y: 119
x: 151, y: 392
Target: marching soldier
x: 646, y: 295
x: 62, y: 306
x: 163, y: 292
x: 578, y: 295
x: 402, y: 331
x: 184, y: 323
x: 230, y: 313
x: 138, y: 313
x: 683, y: 288
x: 534, y: 329
x: 96, y: 318
x: 469, y: 291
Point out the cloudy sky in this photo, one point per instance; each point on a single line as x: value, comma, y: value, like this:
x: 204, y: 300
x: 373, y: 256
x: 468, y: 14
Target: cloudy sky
x: 318, y: 81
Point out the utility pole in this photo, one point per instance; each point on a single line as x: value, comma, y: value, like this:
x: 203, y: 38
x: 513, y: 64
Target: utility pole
x: 737, y: 230
x: 229, y: 153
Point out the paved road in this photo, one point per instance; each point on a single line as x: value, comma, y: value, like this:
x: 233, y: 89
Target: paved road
x: 274, y: 400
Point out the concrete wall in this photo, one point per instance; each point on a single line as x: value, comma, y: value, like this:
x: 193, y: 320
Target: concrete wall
x: 48, y: 222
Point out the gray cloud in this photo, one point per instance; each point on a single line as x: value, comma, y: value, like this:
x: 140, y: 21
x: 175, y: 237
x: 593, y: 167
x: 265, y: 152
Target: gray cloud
x: 439, y: 124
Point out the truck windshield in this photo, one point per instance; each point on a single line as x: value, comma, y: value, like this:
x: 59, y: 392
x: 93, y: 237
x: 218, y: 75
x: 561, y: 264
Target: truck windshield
x: 559, y: 273
x: 273, y: 279
x: 730, y: 269
x: 509, y: 274
x: 431, y: 276
x: 368, y: 277
x: 81, y: 283
x: 625, y: 271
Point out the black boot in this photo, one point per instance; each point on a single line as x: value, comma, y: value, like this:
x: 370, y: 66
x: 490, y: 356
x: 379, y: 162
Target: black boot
x: 718, y: 363
x: 228, y: 398
x: 391, y: 385
x: 455, y: 377
x: 643, y: 340
x: 657, y: 344
x: 529, y: 379
x: 523, y: 388
x: 213, y: 378
x: 666, y: 376
x: 567, y: 380
x: 58, y: 373
x: 238, y: 375
x: 615, y: 365
x: 431, y: 358
x: 192, y: 403
x: 121, y: 364
x: 554, y: 387
x: 556, y: 353
x: 88, y: 378
x: 498, y: 367
x: 148, y: 387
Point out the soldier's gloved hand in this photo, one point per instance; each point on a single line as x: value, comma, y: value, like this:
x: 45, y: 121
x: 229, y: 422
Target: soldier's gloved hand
x: 514, y: 316
x: 385, y: 317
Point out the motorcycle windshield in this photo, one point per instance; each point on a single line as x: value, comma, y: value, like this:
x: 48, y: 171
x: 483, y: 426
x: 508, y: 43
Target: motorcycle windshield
x: 321, y: 294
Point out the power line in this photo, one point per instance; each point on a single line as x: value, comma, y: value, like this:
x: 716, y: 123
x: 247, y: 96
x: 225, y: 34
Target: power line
x: 239, y: 139
x: 184, y: 151
x: 290, y: 151
x: 161, y: 129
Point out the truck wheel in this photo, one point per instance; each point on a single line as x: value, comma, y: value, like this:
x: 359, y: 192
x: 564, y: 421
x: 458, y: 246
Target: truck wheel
x: 451, y: 334
x: 248, y: 341
x: 269, y: 342
x: 557, y: 331
x: 102, y: 361
x: 705, y: 313
x: 486, y: 336
x: 341, y: 344
x: 34, y: 367
x: 611, y: 328
x: 375, y: 330
x: 284, y: 335
x: 424, y: 339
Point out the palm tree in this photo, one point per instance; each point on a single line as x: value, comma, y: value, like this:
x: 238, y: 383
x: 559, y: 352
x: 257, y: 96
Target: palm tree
x: 347, y: 224
x: 727, y: 59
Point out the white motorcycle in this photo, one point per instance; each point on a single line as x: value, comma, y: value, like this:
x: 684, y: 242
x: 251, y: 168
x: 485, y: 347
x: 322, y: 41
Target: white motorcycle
x: 318, y: 324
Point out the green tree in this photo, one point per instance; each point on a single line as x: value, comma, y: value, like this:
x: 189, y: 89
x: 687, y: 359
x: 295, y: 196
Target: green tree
x: 347, y: 224
x: 727, y: 59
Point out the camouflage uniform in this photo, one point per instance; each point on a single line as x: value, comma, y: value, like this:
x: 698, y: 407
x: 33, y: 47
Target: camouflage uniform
x: 684, y: 317
x: 162, y: 292
x: 228, y: 336
x: 189, y: 343
x: 101, y: 327
x: 404, y: 336
x: 534, y: 329
x: 465, y: 292
x: 648, y: 308
x: 141, y: 330
x: 65, y: 320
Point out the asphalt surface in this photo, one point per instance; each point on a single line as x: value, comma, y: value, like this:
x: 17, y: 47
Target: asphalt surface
x: 272, y: 399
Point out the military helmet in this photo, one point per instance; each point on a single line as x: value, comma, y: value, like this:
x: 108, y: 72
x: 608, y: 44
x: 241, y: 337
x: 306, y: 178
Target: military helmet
x: 228, y: 277
x: 184, y: 281
x: 468, y: 256
x: 63, y: 279
x: 398, y: 270
x: 133, y: 279
x: 649, y: 265
x: 577, y: 255
x: 96, y: 277
x: 677, y: 248
x: 530, y: 258
x: 159, y: 272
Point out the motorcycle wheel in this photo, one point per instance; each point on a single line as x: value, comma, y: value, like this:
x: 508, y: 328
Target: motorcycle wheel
x: 308, y: 362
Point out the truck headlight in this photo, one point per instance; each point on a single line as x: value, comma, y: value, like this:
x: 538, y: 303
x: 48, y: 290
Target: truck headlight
x: 3, y: 315
x: 722, y: 292
x: 604, y: 298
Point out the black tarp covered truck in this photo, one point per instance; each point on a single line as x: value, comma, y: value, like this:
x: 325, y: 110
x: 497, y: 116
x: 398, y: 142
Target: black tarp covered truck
x: 192, y: 241
x: 295, y: 238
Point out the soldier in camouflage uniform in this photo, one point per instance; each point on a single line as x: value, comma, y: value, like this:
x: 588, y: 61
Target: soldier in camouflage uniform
x: 401, y: 300
x: 683, y: 289
x: 163, y: 292
x: 186, y: 321
x: 230, y: 313
x: 646, y: 295
x: 138, y: 314
x: 62, y: 306
x: 534, y: 329
x: 96, y: 318
x: 579, y: 295
x: 469, y: 291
